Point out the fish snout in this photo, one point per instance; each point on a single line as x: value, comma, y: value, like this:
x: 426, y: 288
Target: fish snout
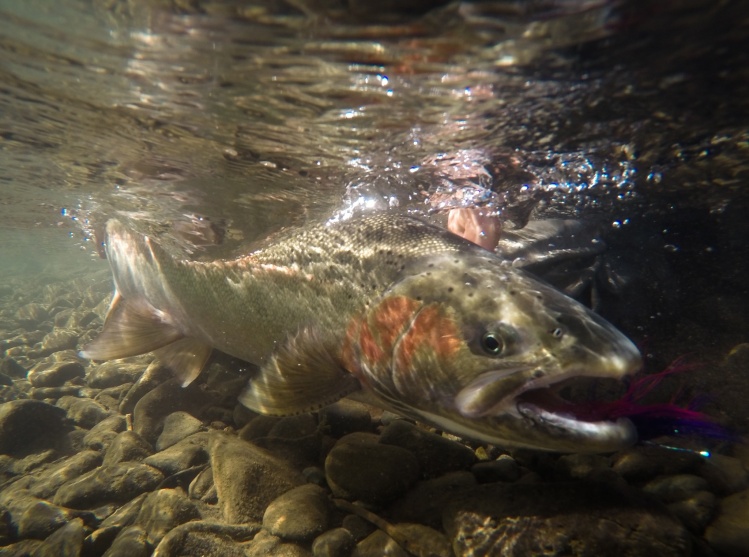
x: 597, y: 346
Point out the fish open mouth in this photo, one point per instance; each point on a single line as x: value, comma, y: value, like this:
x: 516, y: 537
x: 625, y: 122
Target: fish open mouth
x: 566, y: 406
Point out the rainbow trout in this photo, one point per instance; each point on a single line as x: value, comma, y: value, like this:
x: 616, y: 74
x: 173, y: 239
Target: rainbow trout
x: 387, y: 309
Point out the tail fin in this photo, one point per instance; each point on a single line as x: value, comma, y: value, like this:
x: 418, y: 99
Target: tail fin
x: 134, y: 326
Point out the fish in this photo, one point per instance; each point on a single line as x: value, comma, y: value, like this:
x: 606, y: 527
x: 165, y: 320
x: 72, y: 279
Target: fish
x: 383, y: 308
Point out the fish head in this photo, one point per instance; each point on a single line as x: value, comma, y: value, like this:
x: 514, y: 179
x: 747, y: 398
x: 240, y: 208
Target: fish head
x: 478, y: 348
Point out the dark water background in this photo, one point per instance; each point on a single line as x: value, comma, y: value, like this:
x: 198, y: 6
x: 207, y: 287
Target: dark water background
x: 215, y: 124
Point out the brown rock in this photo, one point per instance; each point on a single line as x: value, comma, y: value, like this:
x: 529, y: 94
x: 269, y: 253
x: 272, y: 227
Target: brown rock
x: 247, y: 478
x: 580, y: 519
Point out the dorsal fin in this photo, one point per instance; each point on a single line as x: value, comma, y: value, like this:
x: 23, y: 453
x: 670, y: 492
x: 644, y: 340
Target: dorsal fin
x: 303, y: 376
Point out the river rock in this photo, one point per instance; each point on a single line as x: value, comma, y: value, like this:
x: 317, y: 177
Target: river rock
x: 52, y: 477
x: 154, y: 375
x: 571, y: 519
x: 108, y: 484
x: 6, y: 529
x: 377, y: 544
x: 65, y: 542
x: 55, y: 374
x: 315, y: 475
x: 31, y: 315
x: 42, y: 519
x: 425, y: 502
x: 669, y: 489
x: 504, y: 469
x: 337, y: 542
x: 126, y: 514
x: 27, y: 425
x: 62, y: 318
x: 247, y: 478
x: 98, y: 541
x: 360, y: 468
x: 258, y: 427
x: 177, y: 426
x: 11, y: 368
x: 724, y: 474
x: 344, y: 417
x: 57, y: 340
x: 295, y: 439
x: 728, y: 533
x: 206, y: 538
x: 695, y: 511
x: 580, y: 466
x: 241, y: 416
x: 127, y: 446
x: 130, y: 542
x: 102, y: 434
x: 635, y: 465
x: 420, y: 540
x: 163, y: 510
x: 170, y: 396
x: 190, y: 452
x: 300, y: 514
x: 203, y: 488
x: 113, y: 374
x: 84, y: 412
x: 436, y: 454
x: 358, y: 527
x: 267, y: 545
x: 54, y: 393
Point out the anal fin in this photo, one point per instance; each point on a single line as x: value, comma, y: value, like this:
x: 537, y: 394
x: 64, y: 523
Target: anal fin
x: 129, y: 330
x: 303, y: 376
x: 185, y: 357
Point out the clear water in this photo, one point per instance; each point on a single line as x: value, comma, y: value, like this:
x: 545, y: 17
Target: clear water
x: 214, y: 124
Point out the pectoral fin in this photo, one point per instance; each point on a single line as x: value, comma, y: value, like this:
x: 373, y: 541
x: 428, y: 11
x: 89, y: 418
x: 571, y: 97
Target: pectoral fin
x: 302, y: 377
x: 129, y: 330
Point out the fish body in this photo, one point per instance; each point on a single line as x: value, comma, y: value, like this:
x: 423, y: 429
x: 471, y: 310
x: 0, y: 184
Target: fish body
x: 385, y: 308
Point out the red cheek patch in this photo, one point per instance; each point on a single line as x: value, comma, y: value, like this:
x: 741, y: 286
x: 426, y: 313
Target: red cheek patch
x: 432, y: 331
x: 373, y: 338
x: 391, y: 317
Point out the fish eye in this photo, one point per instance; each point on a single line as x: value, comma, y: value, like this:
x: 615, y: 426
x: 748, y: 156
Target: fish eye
x: 492, y: 344
x: 557, y: 333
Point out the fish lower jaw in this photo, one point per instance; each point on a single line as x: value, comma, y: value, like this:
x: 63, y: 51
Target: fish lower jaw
x: 581, y: 435
x: 569, y: 422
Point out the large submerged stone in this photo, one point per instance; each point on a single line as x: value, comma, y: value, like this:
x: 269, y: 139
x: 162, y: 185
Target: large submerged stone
x: 247, y: 478
x: 29, y: 424
x: 359, y: 467
x: 580, y: 519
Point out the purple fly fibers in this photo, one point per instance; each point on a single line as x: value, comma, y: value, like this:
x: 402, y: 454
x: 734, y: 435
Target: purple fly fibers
x: 657, y: 419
